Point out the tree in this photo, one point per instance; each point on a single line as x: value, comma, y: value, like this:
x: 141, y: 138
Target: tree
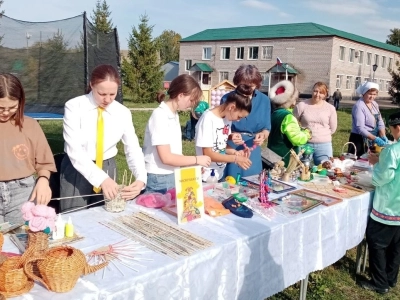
x: 141, y: 72
x: 1, y: 14
x: 101, y: 17
x: 169, y: 46
x: 394, y: 86
x: 394, y: 37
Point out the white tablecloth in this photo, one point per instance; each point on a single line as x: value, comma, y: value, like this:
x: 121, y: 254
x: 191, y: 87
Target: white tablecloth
x: 251, y: 258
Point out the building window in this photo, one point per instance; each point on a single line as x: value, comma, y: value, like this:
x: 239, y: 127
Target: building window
x: 390, y: 63
x: 266, y: 52
x: 341, y: 52
x: 339, y: 79
x: 188, y: 64
x: 369, y: 57
x: 383, y: 61
x: 366, y: 79
x: 360, y: 57
x: 376, y: 60
x: 381, y: 84
x: 207, y: 53
x: 349, y: 82
x: 239, y: 52
x: 223, y: 76
x: 351, y: 55
x: 357, y: 83
x: 206, y: 79
x: 253, y: 52
x: 387, y: 86
x: 265, y: 77
x: 225, y: 53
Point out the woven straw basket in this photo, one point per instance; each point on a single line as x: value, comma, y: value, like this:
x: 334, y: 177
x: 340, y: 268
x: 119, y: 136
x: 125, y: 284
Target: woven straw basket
x: 38, y: 244
x: 13, y: 280
x: 350, y: 155
x: 60, y: 268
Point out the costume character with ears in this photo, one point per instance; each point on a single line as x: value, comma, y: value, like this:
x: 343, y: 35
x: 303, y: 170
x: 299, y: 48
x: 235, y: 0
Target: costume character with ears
x: 286, y: 132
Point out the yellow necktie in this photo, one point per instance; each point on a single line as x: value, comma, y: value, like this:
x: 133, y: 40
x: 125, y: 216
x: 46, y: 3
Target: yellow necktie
x: 99, y: 143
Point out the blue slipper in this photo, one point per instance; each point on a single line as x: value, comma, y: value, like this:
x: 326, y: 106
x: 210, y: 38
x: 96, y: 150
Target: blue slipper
x: 237, y: 208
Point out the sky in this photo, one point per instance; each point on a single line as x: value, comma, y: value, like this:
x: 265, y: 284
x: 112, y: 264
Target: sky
x: 368, y: 18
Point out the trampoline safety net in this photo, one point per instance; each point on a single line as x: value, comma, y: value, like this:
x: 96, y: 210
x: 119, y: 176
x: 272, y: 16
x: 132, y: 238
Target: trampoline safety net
x: 54, y: 59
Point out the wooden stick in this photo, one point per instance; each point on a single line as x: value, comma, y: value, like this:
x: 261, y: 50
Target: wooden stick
x: 130, y: 179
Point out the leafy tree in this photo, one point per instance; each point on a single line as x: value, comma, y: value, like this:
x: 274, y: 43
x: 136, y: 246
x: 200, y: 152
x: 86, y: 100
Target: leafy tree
x: 394, y: 87
x: 169, y: 46
x: 394, y: 37
x: 141, y: 71
x: 101, y: 17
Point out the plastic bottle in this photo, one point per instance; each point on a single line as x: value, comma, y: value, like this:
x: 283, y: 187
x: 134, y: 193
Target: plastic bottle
x: 59, y: 230
x: 212, y: 178
x: 69, y: 228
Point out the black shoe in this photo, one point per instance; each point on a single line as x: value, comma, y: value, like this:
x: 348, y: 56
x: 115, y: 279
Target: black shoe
x: 392, y: 285
x: 369, y: 286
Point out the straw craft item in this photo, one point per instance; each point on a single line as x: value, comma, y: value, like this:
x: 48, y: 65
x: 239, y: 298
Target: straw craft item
x: 38, y: 243
x: 157, y: 235
x: 124, y: 253
x: 13, y: 280
x: 117, y: 204
x: 60, y: 268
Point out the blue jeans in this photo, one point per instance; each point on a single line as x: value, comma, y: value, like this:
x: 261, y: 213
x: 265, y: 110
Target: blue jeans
x: 13, y: 194
x: 322, y: 151
x: 159, y: 183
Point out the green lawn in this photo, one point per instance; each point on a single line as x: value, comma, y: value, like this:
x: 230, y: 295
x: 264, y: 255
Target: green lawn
x: 334, y: 282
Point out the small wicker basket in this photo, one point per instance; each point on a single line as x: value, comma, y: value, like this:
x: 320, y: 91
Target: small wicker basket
x: 13, y: 280
x: 117, y: 204
x: 349, y: 155
x: 60, y: 268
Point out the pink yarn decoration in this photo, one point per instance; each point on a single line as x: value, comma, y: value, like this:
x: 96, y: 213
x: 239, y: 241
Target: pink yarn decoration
x: 39, y: 216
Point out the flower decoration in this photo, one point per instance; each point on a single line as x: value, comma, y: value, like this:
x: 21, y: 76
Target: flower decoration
x: 38, y: 217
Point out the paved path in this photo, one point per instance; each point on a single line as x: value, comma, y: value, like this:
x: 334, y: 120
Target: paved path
x: 143, y: 109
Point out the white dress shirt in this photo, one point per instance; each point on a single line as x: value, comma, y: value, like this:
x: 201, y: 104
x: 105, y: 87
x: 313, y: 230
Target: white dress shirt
x: 80, y: 133
x: 163, y: 128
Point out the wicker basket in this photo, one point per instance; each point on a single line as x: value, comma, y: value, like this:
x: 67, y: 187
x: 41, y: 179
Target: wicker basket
x: 349, y: 155
x: 38, y: 244
x: 60, y: 268
x: 13, y: 280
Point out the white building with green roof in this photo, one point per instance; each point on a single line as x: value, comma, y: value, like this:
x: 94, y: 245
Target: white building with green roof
x: 310, y: 52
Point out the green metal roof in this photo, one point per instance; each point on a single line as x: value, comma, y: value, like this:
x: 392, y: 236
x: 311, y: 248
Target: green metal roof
x: 201, y: 67
x: 282, y: 69
x: 282, y: 31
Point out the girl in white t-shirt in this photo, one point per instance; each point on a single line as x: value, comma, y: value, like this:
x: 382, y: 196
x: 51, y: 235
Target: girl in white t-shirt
x: 162, y: 145
x: 214, y: 129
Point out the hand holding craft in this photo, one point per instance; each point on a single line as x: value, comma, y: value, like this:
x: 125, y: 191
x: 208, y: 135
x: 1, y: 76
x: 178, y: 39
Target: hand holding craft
x: 243, y: 162
x: 42, y: 191
x: 109, y: 188
x: 379, y: 141
x: 260, y: 138
x: 131, y: 191
x: 203, y: 160
x: 237, y: 139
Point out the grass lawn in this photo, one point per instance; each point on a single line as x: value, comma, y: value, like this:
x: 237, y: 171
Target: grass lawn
x: 334, y: 282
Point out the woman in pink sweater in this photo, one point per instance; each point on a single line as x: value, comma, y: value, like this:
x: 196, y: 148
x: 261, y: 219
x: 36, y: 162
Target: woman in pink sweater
x: 319, y: 116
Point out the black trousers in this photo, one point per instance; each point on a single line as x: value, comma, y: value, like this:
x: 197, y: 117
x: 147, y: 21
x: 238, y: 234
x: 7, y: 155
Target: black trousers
x: 358, y: 140
x: 193, y: 123
x: 384, y: 253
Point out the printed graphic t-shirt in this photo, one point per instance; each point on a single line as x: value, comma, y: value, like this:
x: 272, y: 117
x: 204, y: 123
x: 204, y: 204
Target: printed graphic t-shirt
x: 212, y: 132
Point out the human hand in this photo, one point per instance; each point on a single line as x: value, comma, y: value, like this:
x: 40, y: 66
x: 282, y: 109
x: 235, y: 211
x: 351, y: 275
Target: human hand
x: 109, y: 188
x: 131, y: 191
x: 373, y: 158
x: 243, y: 162
x: 203, y: 160
x: 380, y: 142
x: 237, y: 138
x: 41, y: 192
x: 240, y: 153
x: 259, y: 138
x: 385, y: 139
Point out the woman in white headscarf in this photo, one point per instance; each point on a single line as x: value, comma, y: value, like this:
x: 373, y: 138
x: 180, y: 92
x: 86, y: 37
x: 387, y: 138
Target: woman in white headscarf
x: 367, y: 124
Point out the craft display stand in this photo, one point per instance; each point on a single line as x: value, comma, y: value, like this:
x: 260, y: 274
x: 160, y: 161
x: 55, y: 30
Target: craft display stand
x: 327, y: 200
x: 328, y: 189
